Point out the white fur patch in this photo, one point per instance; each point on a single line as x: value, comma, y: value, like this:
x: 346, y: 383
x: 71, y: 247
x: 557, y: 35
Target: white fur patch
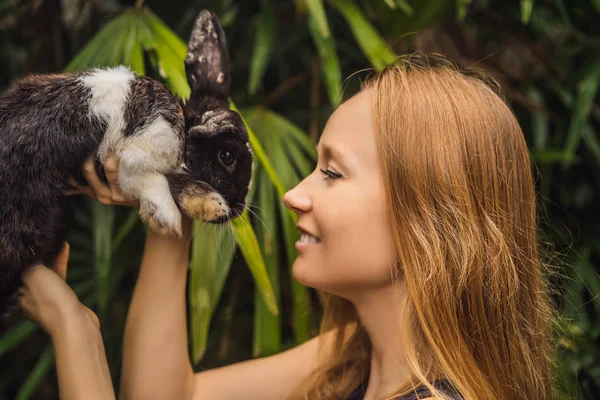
x: 143, y: 159
x: 110, y: 89
x: 157, y: 206
x: 154, y: 147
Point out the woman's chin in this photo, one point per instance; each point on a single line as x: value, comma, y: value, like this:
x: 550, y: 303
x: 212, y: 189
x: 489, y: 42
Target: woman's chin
x: 304, y: 273
x: 298, y: 272
x: 311, y: 275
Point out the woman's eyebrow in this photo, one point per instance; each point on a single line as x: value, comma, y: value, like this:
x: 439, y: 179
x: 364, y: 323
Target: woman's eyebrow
x: 331, y: 152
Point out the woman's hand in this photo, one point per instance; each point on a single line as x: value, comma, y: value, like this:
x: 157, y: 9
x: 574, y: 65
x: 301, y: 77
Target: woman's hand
x: 81, y: 364
x: 47, y: 300
x: 106, y: 194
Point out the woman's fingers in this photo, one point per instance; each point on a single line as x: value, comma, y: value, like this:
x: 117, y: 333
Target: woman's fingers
x: 60, y: 265
x: 78, y: 189
x: 108, y: 194
x: 111, y: 170
x: 101, y: 190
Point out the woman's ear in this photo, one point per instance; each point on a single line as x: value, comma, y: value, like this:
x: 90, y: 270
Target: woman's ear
x: 207, y: 60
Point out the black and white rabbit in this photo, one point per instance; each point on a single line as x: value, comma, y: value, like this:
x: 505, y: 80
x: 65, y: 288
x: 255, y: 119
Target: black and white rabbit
x: 194, y: 159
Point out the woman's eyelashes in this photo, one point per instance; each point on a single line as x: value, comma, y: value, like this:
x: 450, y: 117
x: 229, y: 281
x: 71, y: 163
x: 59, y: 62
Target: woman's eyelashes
x: 329, y: 174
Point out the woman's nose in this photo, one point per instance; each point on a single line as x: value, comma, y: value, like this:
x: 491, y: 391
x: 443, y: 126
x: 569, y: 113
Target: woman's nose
x: 297, y: 199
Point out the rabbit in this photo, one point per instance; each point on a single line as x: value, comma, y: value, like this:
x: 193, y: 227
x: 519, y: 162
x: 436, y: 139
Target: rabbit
x: 193, y: 158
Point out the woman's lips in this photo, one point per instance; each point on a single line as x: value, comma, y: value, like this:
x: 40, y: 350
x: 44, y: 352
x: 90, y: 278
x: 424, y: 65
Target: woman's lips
x: 306, y: 240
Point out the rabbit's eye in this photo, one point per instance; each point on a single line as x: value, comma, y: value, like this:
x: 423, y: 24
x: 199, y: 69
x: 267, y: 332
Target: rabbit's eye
x: 226, y: 157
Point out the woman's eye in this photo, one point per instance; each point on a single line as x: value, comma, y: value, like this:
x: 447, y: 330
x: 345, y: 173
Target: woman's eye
x: 329, y: 174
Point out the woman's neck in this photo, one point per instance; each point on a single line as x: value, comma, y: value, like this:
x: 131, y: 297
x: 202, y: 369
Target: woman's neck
x: 379, y: 314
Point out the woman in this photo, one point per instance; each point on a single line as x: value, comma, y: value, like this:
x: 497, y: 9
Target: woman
x: 419, y: 223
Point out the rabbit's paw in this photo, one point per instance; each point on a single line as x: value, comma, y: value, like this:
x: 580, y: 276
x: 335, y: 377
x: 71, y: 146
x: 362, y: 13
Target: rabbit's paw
x: 164, y: 219
x: 207, y: 206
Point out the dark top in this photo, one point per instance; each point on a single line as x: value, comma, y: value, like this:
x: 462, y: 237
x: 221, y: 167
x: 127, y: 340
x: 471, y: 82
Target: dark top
x: 421, y: 393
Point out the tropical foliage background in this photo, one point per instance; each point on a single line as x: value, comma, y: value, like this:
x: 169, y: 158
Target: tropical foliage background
x: 289, y: 60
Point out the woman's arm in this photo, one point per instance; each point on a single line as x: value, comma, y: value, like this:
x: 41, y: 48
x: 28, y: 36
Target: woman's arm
x: 156, y: 364
x: 75, y: 331
x: 81, y: 363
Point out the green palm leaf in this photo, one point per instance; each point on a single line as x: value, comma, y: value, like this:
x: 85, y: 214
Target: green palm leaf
x: 317, y: 12
x: 36, y: 375
x: 263, y: 46
x: 280, y: 134
x: 261, y: 156
x: 461, y: 9
x: 330, y: 64
x: 267, y: 327
x: 526, y: 8
x: 19, y: 332
x: 213, y: 248
x: 248, y: 244
x: 401, y: 4
x: 95, y: 52
x: 370, y: 41
x: 170, y: 51
x: 588, y: 88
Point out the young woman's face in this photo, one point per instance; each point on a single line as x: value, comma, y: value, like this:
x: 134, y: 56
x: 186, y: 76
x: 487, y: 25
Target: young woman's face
x: 347, y: 245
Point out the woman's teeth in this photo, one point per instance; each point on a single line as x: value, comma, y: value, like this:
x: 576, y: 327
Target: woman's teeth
x: 308, y: 239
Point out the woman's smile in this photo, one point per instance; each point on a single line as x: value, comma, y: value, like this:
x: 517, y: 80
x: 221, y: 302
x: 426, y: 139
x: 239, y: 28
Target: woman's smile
x: 306, y: 240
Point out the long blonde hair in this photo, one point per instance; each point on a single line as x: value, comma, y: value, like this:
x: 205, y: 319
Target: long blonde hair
x: 459, y: 182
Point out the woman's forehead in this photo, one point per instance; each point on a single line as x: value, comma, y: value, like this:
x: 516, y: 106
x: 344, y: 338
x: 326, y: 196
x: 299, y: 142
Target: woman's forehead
x: 349, y: 131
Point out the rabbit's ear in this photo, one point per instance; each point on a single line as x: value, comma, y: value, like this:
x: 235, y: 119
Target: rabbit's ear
x: 207, y: 60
